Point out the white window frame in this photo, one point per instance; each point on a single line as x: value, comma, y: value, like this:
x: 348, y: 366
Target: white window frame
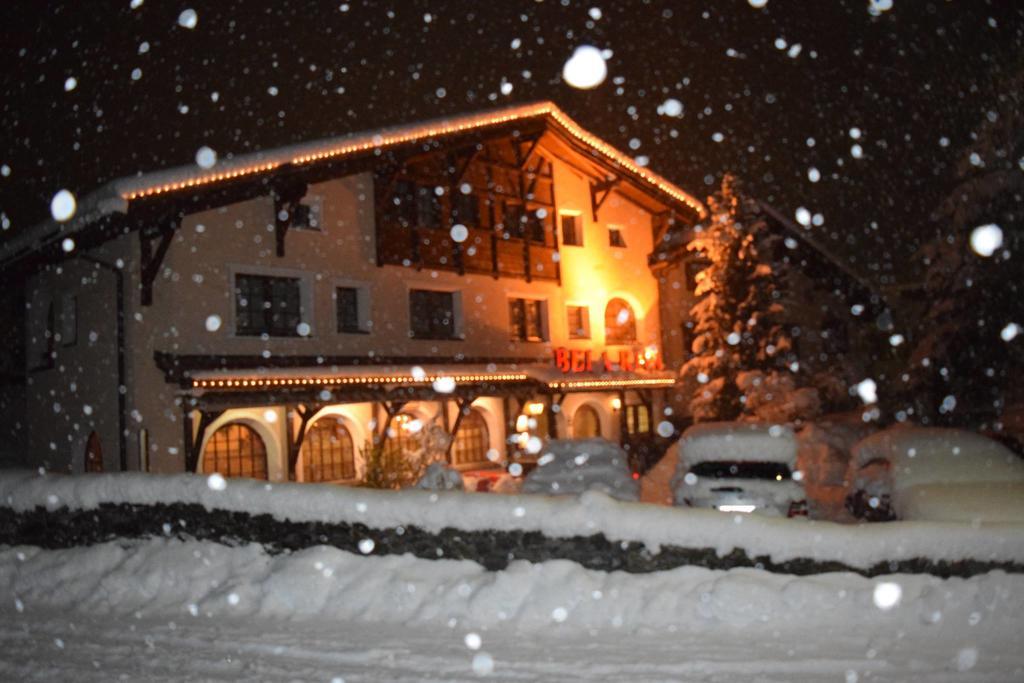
x: 459, y: 327
x: 545, y: 317
x: 362, y: 304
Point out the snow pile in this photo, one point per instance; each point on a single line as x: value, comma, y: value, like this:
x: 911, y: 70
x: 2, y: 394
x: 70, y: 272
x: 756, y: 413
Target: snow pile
x: 574, y: 466
x: 207, y: 580
x: 739, y: 441
x: 555, y: 517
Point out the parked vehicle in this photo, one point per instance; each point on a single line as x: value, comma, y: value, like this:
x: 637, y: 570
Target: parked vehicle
x: 935, y: 474
x: 572, y: 466
x: 739, y: 467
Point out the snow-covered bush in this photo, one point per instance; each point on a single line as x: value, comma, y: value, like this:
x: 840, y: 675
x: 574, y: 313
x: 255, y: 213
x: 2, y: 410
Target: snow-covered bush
x: 440, y: 476
x: 574, y: 466
x: 776, y: 397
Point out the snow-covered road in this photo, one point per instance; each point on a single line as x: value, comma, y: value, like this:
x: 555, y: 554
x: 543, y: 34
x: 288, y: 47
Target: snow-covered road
x: 54, y: 647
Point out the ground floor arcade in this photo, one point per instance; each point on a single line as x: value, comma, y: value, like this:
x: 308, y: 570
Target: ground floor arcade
x: 305, y: 424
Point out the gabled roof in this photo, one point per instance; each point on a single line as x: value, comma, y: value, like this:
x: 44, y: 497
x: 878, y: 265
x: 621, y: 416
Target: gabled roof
x: 115, y: 196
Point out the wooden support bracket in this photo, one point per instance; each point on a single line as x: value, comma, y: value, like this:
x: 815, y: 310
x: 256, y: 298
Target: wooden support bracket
x: 151, y: 261
x: 599, y: 193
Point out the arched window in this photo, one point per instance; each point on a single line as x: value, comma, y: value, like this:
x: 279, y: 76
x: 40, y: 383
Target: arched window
x: 327, y: 451
x: 619, y: 323
x: 236, y: 450
x: 93, y: 454
x: 472, y: 440
x: 585, y: 423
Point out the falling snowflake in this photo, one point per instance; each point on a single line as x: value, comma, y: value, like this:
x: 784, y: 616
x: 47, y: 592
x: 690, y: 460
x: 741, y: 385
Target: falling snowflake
x: 63, y: 206
x: 188, y: 19
x: 586, y: 68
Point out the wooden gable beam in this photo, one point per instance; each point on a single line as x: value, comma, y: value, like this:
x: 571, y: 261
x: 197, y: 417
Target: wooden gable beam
x: 151, y: 261
x: 287, y: 197
x: 600, y: 191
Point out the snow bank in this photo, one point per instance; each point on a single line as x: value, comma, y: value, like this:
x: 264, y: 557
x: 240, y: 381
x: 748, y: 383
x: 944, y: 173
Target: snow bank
x: 751, y: 441
x: 207, y: 580
x: 556, y: 517
x: 575, y: 466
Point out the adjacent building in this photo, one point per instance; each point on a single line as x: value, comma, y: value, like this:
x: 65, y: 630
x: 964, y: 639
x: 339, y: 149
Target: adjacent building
x: 482, y: 279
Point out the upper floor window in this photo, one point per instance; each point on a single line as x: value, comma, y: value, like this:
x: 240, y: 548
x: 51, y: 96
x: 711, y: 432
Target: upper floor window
x: 572, y: 230
x: 351, y: 309
x: 466, y: 209
x: 579, y: 322
x: 615, y: 238
x: 619, y: 323
x: 432, y: 314
x: 267, y: 305
x: 526, y: 319
x: 418, y: 204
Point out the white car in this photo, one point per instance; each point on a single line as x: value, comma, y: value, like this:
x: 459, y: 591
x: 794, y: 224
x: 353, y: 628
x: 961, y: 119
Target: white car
x: 739, y: 467
x: 572, y: 466
x: 935, y: 474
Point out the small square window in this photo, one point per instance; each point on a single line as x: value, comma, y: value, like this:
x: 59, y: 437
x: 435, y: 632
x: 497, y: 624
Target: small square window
x: 572, y: 230
x: 615, y: 237
x: 432, y: 315
x: 526, y: 319
x: 579, y: 322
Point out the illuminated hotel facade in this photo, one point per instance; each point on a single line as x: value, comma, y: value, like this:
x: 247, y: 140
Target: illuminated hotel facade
x: 484, y: 277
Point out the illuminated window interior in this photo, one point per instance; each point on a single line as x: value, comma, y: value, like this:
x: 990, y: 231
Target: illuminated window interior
x: 327, y: 451
x: 235, y: 450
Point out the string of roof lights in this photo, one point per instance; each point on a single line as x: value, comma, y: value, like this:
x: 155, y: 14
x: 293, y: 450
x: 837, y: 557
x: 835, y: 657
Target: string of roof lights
x: 612, y: 383
x: 265, y: 382
x: 429, y: 130
x: 377, y: 380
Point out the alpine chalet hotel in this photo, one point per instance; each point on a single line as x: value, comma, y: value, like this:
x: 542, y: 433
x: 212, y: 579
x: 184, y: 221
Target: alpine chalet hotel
x: 270, y: 316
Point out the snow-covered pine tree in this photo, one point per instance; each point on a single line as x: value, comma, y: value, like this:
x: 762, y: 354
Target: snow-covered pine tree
x: 961, y: 369
x: 743, y: 359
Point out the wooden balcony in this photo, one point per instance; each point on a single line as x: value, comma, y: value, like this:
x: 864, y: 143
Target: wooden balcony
x: 485, y: 251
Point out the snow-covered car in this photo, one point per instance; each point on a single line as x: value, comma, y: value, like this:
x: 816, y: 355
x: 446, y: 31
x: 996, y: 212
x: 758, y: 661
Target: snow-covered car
x: 572, y: 466
x: 935, y: 474
x: 739, y: 467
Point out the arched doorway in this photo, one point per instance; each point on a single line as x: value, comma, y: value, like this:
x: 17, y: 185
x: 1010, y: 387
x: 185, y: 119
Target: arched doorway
x: 619, y: 322
x: 585, y: 423
x: 472, y: 440
x: 235, y: 450
x: 327, y: 451
x: 93, y: 454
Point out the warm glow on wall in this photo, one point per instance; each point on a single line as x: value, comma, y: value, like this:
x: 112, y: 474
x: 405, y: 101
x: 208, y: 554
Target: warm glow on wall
x: 534, y: 408
x: 616, y: 403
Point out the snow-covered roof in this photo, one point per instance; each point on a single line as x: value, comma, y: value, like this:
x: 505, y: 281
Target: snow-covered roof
x: 115, y: 196
x: 739, y: 441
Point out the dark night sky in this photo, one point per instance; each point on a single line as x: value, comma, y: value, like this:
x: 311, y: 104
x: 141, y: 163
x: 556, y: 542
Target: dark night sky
x: 920, y: 72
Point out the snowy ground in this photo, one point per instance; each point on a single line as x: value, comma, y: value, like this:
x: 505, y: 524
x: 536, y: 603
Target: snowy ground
x: 172, y: 610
